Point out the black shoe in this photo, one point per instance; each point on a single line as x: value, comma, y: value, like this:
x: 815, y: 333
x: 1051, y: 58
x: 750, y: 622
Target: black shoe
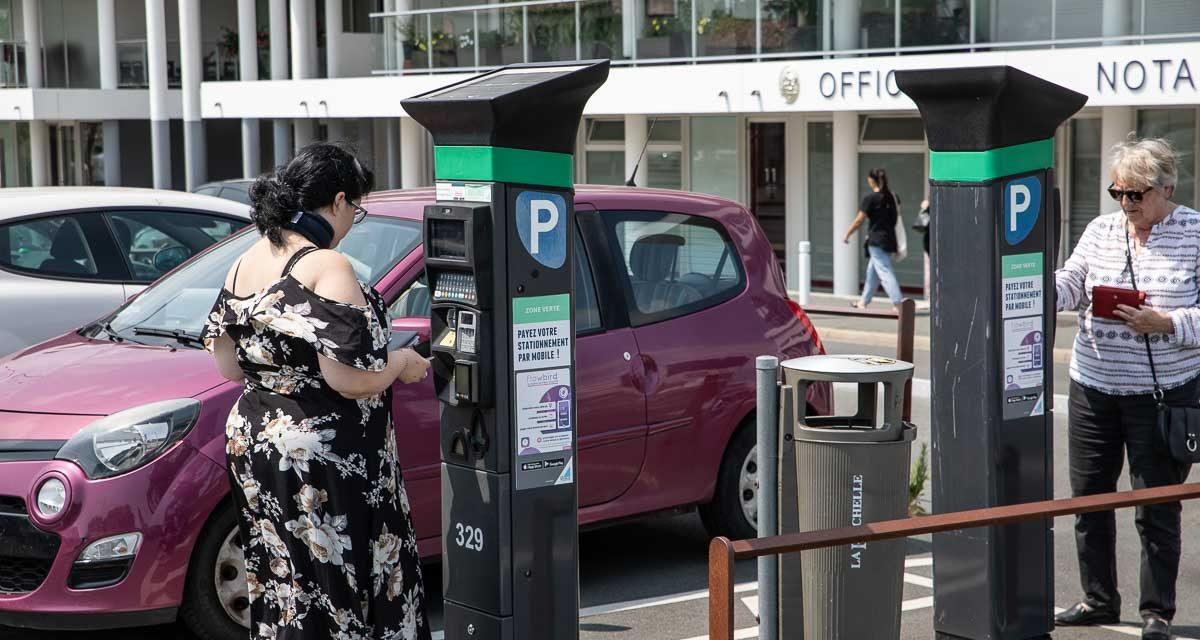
x: 1155, y: 628
x: 1084, y: 614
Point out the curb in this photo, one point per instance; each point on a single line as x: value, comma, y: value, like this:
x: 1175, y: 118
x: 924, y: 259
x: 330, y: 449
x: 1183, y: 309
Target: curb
x: 920, y: 343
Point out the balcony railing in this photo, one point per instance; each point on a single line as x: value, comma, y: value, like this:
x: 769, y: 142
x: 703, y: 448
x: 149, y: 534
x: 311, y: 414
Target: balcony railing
x: 639, y: 32
x: 12, y: 64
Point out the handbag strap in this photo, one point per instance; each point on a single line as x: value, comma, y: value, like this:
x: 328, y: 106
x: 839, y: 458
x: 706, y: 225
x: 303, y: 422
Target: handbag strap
x: 1158, y: 392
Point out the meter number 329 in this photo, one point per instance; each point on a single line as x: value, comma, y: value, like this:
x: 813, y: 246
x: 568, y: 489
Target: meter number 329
x: 468, y: 537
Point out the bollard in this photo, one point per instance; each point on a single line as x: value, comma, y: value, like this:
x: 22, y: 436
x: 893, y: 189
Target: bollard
x: 768, y: 480
x: 805, y: 273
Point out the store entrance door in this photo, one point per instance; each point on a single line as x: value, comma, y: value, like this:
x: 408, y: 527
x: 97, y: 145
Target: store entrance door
x: 767, y: 175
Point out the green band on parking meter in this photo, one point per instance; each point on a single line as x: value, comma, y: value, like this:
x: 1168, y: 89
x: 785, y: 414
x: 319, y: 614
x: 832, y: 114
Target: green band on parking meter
x: 504, y: 164
x: 981, y: 166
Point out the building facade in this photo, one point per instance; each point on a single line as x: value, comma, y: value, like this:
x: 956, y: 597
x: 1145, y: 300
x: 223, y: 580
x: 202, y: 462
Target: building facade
x: 783, y: 105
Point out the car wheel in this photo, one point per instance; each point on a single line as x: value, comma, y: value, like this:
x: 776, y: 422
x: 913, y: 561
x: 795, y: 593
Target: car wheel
x: 733, y: 512
x: 216, y: 602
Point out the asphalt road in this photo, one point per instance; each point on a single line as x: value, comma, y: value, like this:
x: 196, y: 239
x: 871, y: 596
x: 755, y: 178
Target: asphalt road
x: 646, y: 580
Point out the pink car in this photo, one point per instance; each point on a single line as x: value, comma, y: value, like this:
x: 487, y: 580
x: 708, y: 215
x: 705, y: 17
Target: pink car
x: 114, y: 494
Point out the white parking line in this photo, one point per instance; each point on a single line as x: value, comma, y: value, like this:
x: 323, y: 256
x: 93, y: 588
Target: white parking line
x: 926, y: 561
x: 646, y: 603
x: 920, y: 581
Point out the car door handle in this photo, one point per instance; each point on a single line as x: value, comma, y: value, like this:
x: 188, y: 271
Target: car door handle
x: 650, y: 377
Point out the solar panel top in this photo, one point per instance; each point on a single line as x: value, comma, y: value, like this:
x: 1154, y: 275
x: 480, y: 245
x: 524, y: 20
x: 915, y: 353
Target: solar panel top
x: 500, y: 83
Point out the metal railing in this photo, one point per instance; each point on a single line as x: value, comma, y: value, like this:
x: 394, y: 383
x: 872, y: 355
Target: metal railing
x: 481, y: 36
x: 724, y: 553
x: 12, y: 64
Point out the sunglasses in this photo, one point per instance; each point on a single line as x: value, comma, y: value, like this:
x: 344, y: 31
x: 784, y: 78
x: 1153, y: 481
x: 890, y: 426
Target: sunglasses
x: 360, y: 213
x: 1133, y: 195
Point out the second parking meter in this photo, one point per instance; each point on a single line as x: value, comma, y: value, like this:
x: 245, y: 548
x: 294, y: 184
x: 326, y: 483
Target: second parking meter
x: 995, y: 209
x: 498, y: 259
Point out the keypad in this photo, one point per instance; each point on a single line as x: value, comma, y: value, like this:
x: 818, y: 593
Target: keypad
x: 459, y: 287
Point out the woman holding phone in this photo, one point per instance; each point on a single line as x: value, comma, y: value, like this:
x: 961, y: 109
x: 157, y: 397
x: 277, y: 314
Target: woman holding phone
x: 311, y: 448
x: 1152, y: 248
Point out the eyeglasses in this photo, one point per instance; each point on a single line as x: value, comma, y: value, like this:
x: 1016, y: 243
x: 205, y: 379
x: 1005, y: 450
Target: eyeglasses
x: 360, y: 213
x: 1133, y: 195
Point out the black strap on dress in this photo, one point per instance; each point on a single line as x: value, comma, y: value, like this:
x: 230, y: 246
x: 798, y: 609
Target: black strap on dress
x: 287, y: 268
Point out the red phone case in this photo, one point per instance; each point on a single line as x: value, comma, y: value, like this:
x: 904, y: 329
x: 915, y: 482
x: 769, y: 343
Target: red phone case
x: 1105, y: 300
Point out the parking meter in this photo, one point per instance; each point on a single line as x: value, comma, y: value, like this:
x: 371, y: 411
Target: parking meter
x: 498, y: 261
x: 992, y: 252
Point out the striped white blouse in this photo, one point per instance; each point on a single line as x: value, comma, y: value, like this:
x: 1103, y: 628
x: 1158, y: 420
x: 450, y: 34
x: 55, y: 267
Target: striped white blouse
x: 1108, y: 356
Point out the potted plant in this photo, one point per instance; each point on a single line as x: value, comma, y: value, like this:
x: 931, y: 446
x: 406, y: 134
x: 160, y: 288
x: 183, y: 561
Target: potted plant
x: 665, y: 36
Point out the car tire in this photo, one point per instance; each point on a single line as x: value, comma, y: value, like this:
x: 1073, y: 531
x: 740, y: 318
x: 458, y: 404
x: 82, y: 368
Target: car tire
x: 726, y: 515
x: 213, y: 577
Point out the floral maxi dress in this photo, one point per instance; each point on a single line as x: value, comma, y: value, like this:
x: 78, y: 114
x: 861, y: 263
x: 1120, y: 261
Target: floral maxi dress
x: 324, y: 518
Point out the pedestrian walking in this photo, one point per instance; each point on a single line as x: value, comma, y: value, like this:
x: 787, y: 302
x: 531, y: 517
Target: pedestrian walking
x: 1152, y: 245
x: 880, y: 209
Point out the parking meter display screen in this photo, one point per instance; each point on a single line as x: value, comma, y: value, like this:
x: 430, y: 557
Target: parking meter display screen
x: 448, y: 239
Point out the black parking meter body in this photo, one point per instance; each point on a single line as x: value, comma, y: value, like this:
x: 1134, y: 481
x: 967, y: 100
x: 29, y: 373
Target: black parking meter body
x: 498, y: 262
x: 995, y: 230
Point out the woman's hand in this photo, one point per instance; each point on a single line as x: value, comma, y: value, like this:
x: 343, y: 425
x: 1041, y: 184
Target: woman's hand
x: 1145, y: 320
x: 414, y: 369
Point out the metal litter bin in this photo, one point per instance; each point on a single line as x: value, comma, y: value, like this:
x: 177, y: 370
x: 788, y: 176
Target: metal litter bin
x: 847, y: 471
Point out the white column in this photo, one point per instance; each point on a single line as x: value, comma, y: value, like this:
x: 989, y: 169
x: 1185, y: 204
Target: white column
x: 160, y: 125
x: 795, y: 205
x: 333, y: 38
x: 845, y: 203
x: 847, y: 27
x: 1116, y: 19
x: 1115, y: 124
x: 635, y: 140
x: 302, y: 26
x: 412, y: 153
x: 195, y: 156
x: 39, y: 134
x: 630, y: 25
x: 248, y: 72
x: 396, y: 160
x: 278, y: 34
x: 106, y: 28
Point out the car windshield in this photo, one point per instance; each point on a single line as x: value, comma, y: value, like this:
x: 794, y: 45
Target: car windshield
x: 174, y: 309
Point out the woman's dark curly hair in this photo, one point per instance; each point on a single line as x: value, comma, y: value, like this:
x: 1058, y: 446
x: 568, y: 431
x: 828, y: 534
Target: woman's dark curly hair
x: 311, y: 180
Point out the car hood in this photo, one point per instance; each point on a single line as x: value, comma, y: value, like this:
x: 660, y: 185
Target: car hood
x: 80, y: 376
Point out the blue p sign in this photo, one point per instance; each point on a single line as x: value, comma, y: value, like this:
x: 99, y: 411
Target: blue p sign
x: 1022, y: 205
x: 542, y: 225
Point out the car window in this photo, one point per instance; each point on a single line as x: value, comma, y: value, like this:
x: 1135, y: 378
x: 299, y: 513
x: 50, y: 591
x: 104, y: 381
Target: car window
x: 182, y: 300
x: 674, y: 264
x: 208, y: 191
x: 154, y: 242
x: 413, y: 302
x: 51, y: 245
x: 235, y: 194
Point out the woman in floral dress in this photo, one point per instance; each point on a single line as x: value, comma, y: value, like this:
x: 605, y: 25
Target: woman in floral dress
x: 329, y: 543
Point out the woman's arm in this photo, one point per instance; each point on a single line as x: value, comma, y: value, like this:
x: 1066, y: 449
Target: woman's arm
x: 355, y: 383
x: 1070, y: 280
x: 227, y: 364
x: 858, y: 222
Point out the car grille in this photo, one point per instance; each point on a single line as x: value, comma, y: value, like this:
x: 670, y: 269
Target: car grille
x: 13, y: 505
x: 26, y: 552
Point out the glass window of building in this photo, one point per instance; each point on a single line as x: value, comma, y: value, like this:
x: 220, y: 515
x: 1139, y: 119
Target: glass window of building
x: 1086, y: 179
x: 602, y: 30
x: 664, y: 154
x: 1179, y: 127
x: 820, y: 200
x: 1013, y: 21
x: 665, y: 29
x: 891, y: 129
x: 551, y: 32
x: 1079, y: 19
x: 935, y: 22
x: 604, y: 151
x: 714, y: 155
x: 725, y: 27
x: 907, y: 181
x: 877, y: 23
x: 792, y: 25
x: 1172, y: 16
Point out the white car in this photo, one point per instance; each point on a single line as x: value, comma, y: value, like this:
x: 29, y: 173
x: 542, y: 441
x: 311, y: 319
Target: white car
x: 68, y: 255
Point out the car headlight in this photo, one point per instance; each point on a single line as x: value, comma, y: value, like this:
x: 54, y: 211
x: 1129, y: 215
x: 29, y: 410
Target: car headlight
x: 51, y: 498
x: 130, y: 439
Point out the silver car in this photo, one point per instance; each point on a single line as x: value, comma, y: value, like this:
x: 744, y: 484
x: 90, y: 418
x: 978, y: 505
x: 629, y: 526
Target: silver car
x: 68, y: 255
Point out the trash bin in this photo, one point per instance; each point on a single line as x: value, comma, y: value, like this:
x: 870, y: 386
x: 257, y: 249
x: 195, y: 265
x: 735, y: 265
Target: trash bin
x: 848, y: 471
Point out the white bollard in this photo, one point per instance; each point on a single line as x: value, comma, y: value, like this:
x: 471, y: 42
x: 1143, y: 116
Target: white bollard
x: 805, y: 273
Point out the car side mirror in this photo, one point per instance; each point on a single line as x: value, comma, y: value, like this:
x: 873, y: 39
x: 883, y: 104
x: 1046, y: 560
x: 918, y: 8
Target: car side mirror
x: 170, y: 257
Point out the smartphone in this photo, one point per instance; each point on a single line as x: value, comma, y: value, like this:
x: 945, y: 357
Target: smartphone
x: 1105, y: 300
x: 403, y: 340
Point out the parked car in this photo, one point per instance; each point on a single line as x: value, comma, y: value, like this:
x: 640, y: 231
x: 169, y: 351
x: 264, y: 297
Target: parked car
x: 71, y: 254
x: 113, y: 479
x: 237, y: 190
